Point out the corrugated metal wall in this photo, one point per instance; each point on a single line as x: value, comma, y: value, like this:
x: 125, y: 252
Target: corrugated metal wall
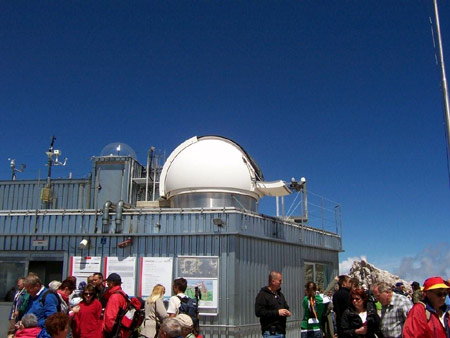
x: 25, y: 195
x: 248, y: 247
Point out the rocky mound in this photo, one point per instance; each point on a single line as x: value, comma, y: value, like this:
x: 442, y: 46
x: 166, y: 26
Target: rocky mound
x: 369, y: 274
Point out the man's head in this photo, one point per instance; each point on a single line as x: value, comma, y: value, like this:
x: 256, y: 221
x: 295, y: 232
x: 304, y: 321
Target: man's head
x: 170, y: 328
x: 20, y: 283
x: 382, y: 293
x: 90, y: 280
x: 97, y: 279
x: 179, y: 285
x: 415, y: 286
x: 275, y: 280
x: 400, y: 286
x: 344, y: 281
x: 113, y: 280
x: 187, y: 325
x: 32, y: 284
x: 435, y: 290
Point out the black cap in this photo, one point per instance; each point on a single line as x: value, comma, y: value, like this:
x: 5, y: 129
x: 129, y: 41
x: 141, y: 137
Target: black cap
x: 114, y: 277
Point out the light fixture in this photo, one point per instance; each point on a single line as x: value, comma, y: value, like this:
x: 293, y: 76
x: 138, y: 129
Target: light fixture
x: 125, y: 243
x: 219, y: 222
x: 84, y: 243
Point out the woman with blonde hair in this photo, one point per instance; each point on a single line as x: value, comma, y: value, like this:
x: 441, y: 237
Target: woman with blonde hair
x: 155, y: 312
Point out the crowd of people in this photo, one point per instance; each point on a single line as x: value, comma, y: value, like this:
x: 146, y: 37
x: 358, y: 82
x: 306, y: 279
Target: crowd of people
x: 345, y: 309
x: 92, y: 310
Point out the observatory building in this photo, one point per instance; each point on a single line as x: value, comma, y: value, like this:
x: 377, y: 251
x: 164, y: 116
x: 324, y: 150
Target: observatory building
x: 194, y: 215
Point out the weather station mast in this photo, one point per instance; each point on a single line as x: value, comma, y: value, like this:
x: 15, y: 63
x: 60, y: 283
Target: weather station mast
x: 53, y: 160
x: 14, y: 170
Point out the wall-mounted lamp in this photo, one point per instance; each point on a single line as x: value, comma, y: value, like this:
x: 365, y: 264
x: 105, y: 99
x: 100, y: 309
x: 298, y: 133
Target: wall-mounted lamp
x: 83, y: 244
x: 219, y: 222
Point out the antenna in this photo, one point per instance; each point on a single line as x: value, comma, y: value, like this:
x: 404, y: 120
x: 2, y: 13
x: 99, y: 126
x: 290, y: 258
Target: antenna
x: 53, y: 160
x: 12, y: 165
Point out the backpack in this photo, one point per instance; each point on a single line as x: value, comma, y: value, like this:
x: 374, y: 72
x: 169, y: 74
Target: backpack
x: 189, y: 306
x: 44, y: 296
x: 130, y: 318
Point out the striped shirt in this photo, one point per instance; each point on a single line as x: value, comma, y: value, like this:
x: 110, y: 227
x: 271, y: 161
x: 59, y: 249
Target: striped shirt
x: 393, y: 316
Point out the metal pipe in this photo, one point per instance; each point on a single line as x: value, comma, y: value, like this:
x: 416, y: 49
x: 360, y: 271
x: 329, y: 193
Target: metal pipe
x: 154, y: 179
x: 105, y: 218
x: 119, y: 215
x: 149, y: 168
x: 444, y: 79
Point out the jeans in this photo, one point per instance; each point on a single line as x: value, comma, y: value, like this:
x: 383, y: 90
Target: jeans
x: 267, y: 334
x: 312, y: 334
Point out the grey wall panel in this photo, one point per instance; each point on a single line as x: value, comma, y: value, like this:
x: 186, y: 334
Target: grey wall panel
x: 248, y: 247
x: 25, y: 195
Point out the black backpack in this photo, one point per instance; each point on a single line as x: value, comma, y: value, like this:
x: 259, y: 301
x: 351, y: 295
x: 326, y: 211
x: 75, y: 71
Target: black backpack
x: 128, y: 319
x: 189, y: 306
x: 44, y: 296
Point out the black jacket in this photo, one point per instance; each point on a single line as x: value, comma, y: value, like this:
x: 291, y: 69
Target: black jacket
x: 341, y: 301
x: 267, y: 305
x: 350, y: 321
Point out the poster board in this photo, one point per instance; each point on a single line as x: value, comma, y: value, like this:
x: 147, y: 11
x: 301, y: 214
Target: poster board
x: 83, y: 267
x: 126, y: 268
x: 201, y: 272
x: 155, y: 270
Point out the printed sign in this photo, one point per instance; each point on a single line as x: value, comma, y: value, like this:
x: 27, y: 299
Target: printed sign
x: 126, y: 269
x: 155, y: 270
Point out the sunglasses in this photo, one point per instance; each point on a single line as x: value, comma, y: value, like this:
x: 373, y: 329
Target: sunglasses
x: 88, y: 294
x: 440, y: 293
x: 357, y: 299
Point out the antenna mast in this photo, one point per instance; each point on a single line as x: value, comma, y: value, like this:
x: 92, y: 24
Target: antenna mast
x: 444, y: 79
x: 53, y: 160
x: 12, y: 165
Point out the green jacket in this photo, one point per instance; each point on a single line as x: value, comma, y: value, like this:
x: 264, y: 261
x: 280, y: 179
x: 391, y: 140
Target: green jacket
x: 308, y: 313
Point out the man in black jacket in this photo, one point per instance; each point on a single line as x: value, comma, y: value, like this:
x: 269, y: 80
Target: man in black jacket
x: 341, y: 300
x: 271, y: 307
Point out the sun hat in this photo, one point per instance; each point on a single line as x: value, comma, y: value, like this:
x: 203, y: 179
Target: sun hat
x: 185, y: 320
x: 114, y: 277
x: 434, y: 283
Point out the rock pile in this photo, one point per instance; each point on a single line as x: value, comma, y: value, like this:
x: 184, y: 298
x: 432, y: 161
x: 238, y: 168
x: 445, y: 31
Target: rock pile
x: 368, y: 275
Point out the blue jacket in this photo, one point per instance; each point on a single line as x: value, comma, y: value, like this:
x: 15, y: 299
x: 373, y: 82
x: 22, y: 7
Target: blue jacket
x: 42, y: 310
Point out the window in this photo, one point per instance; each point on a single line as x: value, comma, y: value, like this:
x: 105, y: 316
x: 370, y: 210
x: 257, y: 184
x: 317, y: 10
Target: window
x: 317, y: 273
x: 9, y: 273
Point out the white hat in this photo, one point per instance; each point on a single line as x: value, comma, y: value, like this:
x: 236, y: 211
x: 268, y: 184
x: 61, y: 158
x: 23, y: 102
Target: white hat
x: 185, y: 321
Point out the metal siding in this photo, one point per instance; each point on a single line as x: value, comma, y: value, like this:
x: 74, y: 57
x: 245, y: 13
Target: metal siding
x: 248, y: 247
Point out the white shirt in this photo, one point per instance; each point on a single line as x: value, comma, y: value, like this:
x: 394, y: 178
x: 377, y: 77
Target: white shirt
x: 174, y: 303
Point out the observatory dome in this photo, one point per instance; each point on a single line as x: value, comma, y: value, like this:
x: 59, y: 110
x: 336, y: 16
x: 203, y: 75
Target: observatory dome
x: 211, y: 171
x: 118, y: 149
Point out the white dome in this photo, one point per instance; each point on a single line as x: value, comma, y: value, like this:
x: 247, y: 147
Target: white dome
x: 208, y: 164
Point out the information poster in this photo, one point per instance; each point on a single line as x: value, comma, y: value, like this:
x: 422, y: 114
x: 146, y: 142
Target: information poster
x: 155, y: 270
x: 126, y: 269
x: 202, y: 275
x: 83, y: 267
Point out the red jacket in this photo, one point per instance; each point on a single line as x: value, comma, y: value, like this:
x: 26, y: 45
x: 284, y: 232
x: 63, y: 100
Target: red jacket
x: 115, y: 302
x: 87, y: 323
x: 31, y: 332
x: 417, y: 324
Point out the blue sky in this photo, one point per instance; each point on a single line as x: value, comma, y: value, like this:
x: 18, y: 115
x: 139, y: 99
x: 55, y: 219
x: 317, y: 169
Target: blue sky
x: 345, y: 93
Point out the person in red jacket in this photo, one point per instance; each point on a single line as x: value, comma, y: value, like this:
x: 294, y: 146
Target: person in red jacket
x: 430, y: 318
x: 87, y: 321
x: 115, y: 301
